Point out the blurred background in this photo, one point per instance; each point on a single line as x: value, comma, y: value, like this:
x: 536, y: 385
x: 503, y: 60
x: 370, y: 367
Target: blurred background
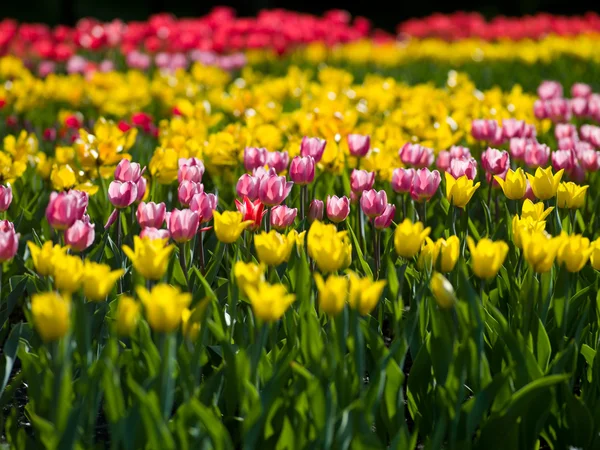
x: 383, y: 13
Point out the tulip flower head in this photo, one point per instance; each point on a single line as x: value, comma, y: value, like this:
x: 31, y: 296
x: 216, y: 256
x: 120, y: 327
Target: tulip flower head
x: 128, y: 313
x: 122, y: 193
x: 51, y: 315
x: 151, y: 214
x: 570, y: 195
x: 98, y: 280
x: 595, y: 255
x: 190, y: 171
x: 359, y: 145
x: 416, y: 155
x: 424, y: 185
x: 163, y: 306
x: 315, y: 210
x: 332, y: 293
x: 545, y: 184
x: 229, y: 225
x: 459, y: 192
x: 402, y: 180
x: 494, y: 162
x: 312, y: 146
x: 386, y: 218
x: 273, y: 189
x: 67, y: 273
x: 373, y: 203
x: 251, y: 211
x: 442, y: 291
x: 9, y: 241
x: 248, y: 275
x: 283, y: 216
x: 487, y: 257
x: 574, y: 251
x: 535, y: 211
x: 409, y: 237
x: 364, y: 293
x: 273, y: 248
x: 330, y: 249
x: 463, y: 166
x: 247, y: 186
x: 484, y: 130
x: 150, y: 257
x: 269, y: 301
x: 80, y: 235
x: 154, y: 233
x: 187, y: 190
x: 338, y: 208
x: 205, y: 205
x: 302, y: 170
x: 540, y: 250
x: 5, y: 197
x: 63, y: 210
x: 254, y: 158
x: 514, y: 184
x: 361, y: 180
x: 127, y: 171
x: 278, y: 161
x: 183, y: 225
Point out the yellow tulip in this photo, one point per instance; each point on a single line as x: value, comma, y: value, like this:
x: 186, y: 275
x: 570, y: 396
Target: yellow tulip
x: 595, y: 256
x: 332, y: 293
x: 63, y: 178
x: 150, y: 257
x: 571, y: 195
x: 514, y: 184
x: 273, y: 248
x: 331, y: 249
x: 269, y: 301
x: 428, y: 255
x: 460, y: 191
x: 229, y: 225
x: 409, y: 237
x: 449, y: 251
x: 535, y: 210
x: 487, y: 257
x: 540, y: 249
x: 544, y: 184
x: 98, y: 280
x: 442, y: 291
x: 525, y: 226
x: 248, y: 275
x: 364, y: 293
x: 128, y: 313
x: 190, y: 329
x: 574, y: 251
x: 43, y: 257
x: 51, y: 315
x: 68, y: 273
x: 164, y: 305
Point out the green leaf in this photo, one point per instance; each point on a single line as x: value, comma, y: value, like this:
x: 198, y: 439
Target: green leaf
x: 19, y: 331
x: 361, y: 259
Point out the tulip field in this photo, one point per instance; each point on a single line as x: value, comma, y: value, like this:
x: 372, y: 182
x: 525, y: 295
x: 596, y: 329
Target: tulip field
x: 300, y: 232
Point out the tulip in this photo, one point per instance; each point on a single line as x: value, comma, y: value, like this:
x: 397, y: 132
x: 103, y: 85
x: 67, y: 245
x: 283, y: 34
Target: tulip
x: 385, y: 219
x: 248, y: 275
x: 187, y: 190
x: 80, y: 235
x: 494, y: 162
x: 442, y: 291
x: 523, y: 226
x: 581, y: 90
x: 544, y: 184
x: 466, y: 167
x: 183, y: 225
x: 278, y: 161
x: 98, y: 280
x: 315, y: 210
x: 190, y: 173
x: 63, y: 210
x: 44, y: 256
x: 273, y: 190
x: 51, y: 313
x: 535, y: 210
x: 570, y: 195
x: 332, y: 293
x: 514, y: 184
x: 487, y: 257
x: 302, y: 170
x: 540, y: 250
x: 141, y: 189
x: 517, y: 148
x: 254, y: 158
x: 5, y: 197
x: 331, y: 250
x: 574, y: 251
x: 484, y: 130
x: 163, y: 306
x: 151, y: 214
x: 590, y: 160
x: 273, y: 248
x: 247, y: 186
x: 190, y: 321
x: 359, y: 145
x: 269, y: 301
x: 127, y: 171
x: 549, y: 90
x: 529, y: 192
x: 402, y: 180
x: 459, y: 192
x: 563, y: 159
x: 448, y: 253
x: 314, y: 147
x: 204, y: 204
x: 122, y: 194
x: 63, y: 178
x: 425, y: 184
x: 128, y: 313
x: 283, y: 217
x: 536, y: 154
x: 67, y: 273
x: 9, y: 241
x: 416, y: 155
x: 595, y: 256
x: 373, y: 203
x: 361, y: 180
x: 565, y: 130
x: 154, y: 233
x: 458, y: 152
x: 251, y: 211
x: 442, y: 161
x: 150, y: 257
x: 409, y: 237
x: 338, y: 208
x: 190, y: 162
x: 567, y: 143
x: 579, y: 106
x: 364, y: 293
x: 229, y: 225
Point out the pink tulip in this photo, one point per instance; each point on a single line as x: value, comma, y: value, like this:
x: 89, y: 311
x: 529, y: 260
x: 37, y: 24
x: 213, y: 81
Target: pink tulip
x: 498, y: 138
x: 463, y: 166
x: 183, y: 224
x: 517, y: 148
x: 283, y: 217
x: 402, y: 180
x: 589, y: 160
x: 187, y: 190
x: 484, y: 130
x: 354, y: 198
x: 314, y: 147
x: 536, y: 154
x: 302, y: 170
x: 582, y: 146
x: 359, y: 145
x: 273, y: 190
x: 563, y: 159
x: 63, y: 210
x: 337, y: 208
x: 425, y: 184
x: 151, y: 214
x: 529, y: 131
x: 385, y: 219
x: 260, y: 172
x: 5, y: 197
x: 204, y: 204
x: 558, y: 110
x: 586, y: 131
x: 443, y: 160
x: 581, y: 90
x: 80, y: 235
x: 190, y: 173
x: 457, y: 151
x: 567, y: 143
x: 254, y: 157
x: 190, y: 162
x: 373, y: 203
x: 416, y: 155
x: 549, y: 90
x: 513, y: 128
x: 247, y: 186
x: 127, y: 171
x: 111, y: 219
x: 82, y: 202
x: 361, y: 180
x: 315, y: 210
x: 565, y: 130
x: 539, y: 109
x: 9, y: 241
x: 577, y: 174
x: 141, y: 189
x: 494, y: 162
x: 579, y: 106
x: 153, y: 233
x: 278, y: 161
x: 122, y: 194
x: 593, y: 107
x: 493, y: 181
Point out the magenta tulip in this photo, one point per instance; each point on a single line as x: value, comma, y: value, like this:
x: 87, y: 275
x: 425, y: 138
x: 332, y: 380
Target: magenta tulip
x: 80, y: 235
x: 204, y: 204
x: 9, y: 241
x: 484, y: 130
x: 359, y: 145
x: 302, y: 170
x: 563, y: 159
x: 278, y: 161
x: 247, y: 186
x: 425, y: 184
x: 463, y: 166
x: 151, y: 214
x: 127, y: 171
x: 273, y: 190
x: 373, y: 203
x: 443, y: 159
x: 361, y: 180
x: 254, y: 157
x: 402, y: 180
x: 338, y: 208
x: 315, y: 210
x: 187, y: 190
x: 63, y: 210
x: 385, y: 219
x: 549, y: 90
x: 494, y: 161
x: 183, y: 224
x: 581, y: 90
x: 5, y: 197
x: 416, y: 155
x: 154, y: 233
x: 512, y: 128
x: 122, y: 194
x: 312, y: 146
x: 190, y: 173
x: 536, y: 154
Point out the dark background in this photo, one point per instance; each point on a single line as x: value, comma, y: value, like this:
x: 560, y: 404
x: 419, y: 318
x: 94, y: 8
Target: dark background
x: 384, y: 14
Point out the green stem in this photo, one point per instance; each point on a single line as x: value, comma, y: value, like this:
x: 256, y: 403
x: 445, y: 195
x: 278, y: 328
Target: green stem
x: 182, y: 261
x: 167, y: 379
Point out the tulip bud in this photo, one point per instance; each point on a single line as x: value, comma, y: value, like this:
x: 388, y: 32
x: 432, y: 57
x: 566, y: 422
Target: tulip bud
x: 190, y: 173
x: 512, y: 128
x: 536, y: 154
x: 62, y: 210
x: 581, y: 90
x: 361, y: 180
x: 563, y: 159
x: 111, y: 219
x: 359, y: 145
x: 122, y: 194
x: 80, y: 235
x: 442, y: 291
x: 402, y: 180
x: 549, y: 90
x: 312, y: 146
x: 183, y: 224
x: 247, y: 186
x: 204, y: 204
x: 278, y: 161
x: 494, y: 162
x: 443, y: 160
x: 5, y: 197
x: 373, y: 203
x: 273, y: 189
x: 484, y: 130
x: 302, y: 170
x: 151, y: 214
x: 283, y: 217
x: 315, y: 210
x: 127, y: 171
x: 589, y: 160
x: 416, y: 155
x: 579, y: 106
x: 425, y: 184
x: 187, y: 190
x: 254, y: 157
x: 338, y: 208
